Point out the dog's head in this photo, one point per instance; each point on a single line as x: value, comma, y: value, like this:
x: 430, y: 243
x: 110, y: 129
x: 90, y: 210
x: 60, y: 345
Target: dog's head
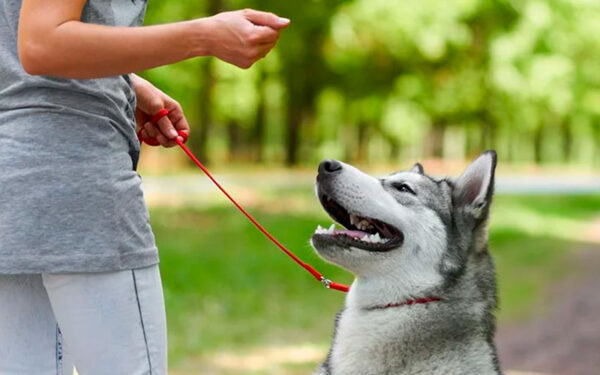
x: 406, y: 229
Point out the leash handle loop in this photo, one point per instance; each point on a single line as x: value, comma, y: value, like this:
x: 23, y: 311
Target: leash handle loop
x: 158, y: 115
x: 155, y: 118
x: 326, y: 282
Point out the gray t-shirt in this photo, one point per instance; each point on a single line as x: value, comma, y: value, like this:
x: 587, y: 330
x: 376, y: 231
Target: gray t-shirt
x: 70, y: 198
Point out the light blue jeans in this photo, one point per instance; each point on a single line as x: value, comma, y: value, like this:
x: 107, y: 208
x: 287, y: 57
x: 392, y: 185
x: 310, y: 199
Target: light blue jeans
x: 101, y: 323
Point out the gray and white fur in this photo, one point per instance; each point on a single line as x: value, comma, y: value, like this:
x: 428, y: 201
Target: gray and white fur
x: 423, y: 237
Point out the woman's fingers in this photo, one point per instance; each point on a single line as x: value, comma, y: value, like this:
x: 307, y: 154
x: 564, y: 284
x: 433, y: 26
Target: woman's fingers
x: 151, y: 130
x: 145, y: 134
x: 166, y: 127
x: 177, y: 116
x: 167, y: 143
x: 164, y: 141
x: 154, y: 131
x: 264, y: 34
x: 164, y: 123
x: 265, y: 19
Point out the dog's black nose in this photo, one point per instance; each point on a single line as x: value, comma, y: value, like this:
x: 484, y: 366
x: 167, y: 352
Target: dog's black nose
x: 329, y: 166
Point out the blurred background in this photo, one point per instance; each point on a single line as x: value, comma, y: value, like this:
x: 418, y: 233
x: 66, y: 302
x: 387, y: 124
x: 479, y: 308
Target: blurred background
x: 381, y: 84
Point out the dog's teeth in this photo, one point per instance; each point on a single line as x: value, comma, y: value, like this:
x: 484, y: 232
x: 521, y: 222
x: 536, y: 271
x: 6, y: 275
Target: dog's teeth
x: 321, y: 230
x: 376, y: 237
x: 363, y: 225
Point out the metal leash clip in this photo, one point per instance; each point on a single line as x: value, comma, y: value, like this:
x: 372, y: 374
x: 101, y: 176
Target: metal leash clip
x: 326, y: 282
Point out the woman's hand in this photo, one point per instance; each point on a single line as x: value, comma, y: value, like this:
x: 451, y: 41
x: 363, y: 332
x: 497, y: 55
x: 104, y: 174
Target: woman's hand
x: 243, y: 37
x: 150, y: 100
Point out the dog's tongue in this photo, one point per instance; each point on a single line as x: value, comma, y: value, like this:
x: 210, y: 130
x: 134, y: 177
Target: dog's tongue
x: 350, y: 233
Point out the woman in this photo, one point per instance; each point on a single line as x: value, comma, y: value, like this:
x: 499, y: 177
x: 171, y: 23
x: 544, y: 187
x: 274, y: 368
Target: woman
x: 79, y: 281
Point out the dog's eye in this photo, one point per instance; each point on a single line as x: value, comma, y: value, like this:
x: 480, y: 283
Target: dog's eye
x: 400, y: 186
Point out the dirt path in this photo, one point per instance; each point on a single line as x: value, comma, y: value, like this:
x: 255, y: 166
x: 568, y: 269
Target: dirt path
x: 566, y: 340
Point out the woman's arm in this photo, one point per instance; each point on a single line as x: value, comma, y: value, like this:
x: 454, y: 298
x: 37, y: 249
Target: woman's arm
x: 53, y: 41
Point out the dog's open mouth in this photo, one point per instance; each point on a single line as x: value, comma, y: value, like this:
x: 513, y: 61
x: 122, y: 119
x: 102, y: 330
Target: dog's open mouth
x: 361, y: 232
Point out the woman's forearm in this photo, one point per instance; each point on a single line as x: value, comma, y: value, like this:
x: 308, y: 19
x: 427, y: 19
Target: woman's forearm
x: 79, y: 50
x: 53, y: 41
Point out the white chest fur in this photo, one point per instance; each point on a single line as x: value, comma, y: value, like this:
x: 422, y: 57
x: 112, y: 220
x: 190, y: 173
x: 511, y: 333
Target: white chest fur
x: 383, y: 342
x: 359, y: 339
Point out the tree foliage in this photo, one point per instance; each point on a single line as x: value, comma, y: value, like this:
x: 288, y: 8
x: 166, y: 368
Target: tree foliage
x: 384, y: 80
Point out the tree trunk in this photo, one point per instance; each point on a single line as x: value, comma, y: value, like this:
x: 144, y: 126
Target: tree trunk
x: 510, y: 152
x: 437, y: 139
x: 233, y: 140
x: 488, y: 135
x: 294, y: 120
x: 394, y: 149
x: 303, y: 86
x: 537, y: 144
x: 298, y: 107
x: 259, y: 121
x: 596, y: 140
x: 200, y: 143
x: 362, y: 141
x: 567, y: 138
x: 215, y: 6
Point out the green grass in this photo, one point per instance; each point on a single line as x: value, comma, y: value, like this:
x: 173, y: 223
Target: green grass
x: 228, y: 288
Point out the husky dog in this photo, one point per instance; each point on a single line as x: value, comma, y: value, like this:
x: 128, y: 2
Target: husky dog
x: 425, y: 287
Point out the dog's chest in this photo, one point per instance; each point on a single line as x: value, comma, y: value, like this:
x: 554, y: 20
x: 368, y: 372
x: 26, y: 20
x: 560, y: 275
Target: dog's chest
x: 401, y: 341
x: 369, y: 343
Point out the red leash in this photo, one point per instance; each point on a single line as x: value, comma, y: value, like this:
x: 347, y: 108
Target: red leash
x: 153, y: 142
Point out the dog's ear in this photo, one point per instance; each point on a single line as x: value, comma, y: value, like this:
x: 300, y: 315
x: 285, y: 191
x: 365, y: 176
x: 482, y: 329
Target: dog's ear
x: 417, y: 168
x: 474, y: 188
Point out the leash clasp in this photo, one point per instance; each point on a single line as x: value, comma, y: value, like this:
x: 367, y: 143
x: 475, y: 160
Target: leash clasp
x: 326, y: 282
